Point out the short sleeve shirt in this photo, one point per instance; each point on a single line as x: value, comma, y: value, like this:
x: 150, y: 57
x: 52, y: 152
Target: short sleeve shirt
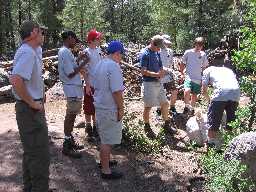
x: 108, y: 79
x: 28, y: 65
x: 224, y: 82
x: 167, y: 61
x: 95, y: 56
x: 194, y: 62
x: 66, y: 65
x: 151, y: 61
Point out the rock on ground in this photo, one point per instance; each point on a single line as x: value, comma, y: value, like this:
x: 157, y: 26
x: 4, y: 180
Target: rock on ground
x: 243, y: 148
x: 4, y: 79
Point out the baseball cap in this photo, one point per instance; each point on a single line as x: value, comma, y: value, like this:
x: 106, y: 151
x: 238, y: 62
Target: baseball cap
x: 27, y: 27
x: 93, y: 34
x: 67, y: 34
x: 167, y: 39
x: 158, y: 41
x: 115, y: 46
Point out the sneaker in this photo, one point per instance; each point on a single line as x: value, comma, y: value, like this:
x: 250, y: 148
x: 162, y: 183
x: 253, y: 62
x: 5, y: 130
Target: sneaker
x: 75, y: 145
x: 94, y: 131
x: 173, y: 111
x: 112, y: 163
x: 112, y: 175
x: 149, y: 132
x: 158, y: 111
x: 68, y: 150
x: 88, y: 130
x: 168, y: 129
x: 185, y: 110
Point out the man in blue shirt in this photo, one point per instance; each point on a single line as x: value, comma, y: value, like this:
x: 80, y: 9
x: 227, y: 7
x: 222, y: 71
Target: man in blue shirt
x: 153, y: 91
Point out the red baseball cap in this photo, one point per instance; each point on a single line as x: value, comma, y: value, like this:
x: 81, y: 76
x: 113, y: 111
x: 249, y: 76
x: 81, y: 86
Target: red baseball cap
x: 93, y: 34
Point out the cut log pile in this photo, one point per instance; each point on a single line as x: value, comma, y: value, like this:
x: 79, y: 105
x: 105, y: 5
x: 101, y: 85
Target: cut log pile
x: 131, y: 72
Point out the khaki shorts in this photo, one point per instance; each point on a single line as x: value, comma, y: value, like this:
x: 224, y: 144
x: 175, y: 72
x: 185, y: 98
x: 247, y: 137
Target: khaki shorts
x: 153, y: 94
x: 74, y: 105
x: 109, y: 129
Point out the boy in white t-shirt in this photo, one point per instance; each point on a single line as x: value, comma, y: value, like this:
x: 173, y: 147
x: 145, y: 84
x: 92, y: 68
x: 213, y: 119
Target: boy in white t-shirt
x: 194, y: 61
x: 95, y: 55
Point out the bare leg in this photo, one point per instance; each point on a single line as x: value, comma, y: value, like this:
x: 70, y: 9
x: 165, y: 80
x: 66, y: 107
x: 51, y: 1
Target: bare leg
x: 105, y: 151
x: 164, y: 110
x: 146, y: 114
x: 193, y: 99
x: 173, y: 97
x: 69, y: 124
x: 187, y: 96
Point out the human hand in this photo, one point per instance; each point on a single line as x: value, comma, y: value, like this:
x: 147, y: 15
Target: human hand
x: 88, y: 90
x: 120, y: 114
x: 161, y: 74
x: 37, y: 105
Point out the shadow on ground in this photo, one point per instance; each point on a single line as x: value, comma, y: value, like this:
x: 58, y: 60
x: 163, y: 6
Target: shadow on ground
x: 142, y: 173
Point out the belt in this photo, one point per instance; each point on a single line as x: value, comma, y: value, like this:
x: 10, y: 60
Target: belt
x: 40, y: 99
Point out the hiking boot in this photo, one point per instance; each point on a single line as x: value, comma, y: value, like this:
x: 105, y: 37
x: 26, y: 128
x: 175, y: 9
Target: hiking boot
x: 75, y: 145
x: 88, y: 130
x: 168, y: 129
x: 185, y: 110
x: 68, y: 150
x: 112, y: 175
x: 158, y: 111
x: 112, y: 163
x: 189, y: 111
x: 95, y: 131
x: 149, y: 133
x: 173, y: 111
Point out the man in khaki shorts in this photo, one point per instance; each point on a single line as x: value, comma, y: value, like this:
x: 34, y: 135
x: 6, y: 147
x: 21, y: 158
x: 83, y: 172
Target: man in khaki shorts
x: 69, y: 73
x: 109, y: 107
x: 153, y: 91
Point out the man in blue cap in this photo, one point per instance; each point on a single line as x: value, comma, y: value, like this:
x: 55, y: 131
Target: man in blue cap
x: 109, y: 105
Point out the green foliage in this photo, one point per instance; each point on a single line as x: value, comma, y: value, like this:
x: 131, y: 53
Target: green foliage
x: 134, y: 138
x: 227, y: 176
x: 224, y: 176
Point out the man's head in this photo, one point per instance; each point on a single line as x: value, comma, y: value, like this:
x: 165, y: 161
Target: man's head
x: 31, y: 31
x: 157, y: 42
x: 116, y: 50
x: 69, y: 38
x: 94, y: 37
x: 167, y: 40
x: 199, y: 43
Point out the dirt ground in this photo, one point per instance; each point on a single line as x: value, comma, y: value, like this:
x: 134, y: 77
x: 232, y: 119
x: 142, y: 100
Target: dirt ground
x: 177, y: 170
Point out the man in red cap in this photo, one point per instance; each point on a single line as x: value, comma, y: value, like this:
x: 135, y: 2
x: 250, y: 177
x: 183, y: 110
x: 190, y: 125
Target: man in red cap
x: 94, y: 53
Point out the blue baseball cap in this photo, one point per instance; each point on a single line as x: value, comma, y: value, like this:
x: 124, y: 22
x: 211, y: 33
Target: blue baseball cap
x: 115, y: 46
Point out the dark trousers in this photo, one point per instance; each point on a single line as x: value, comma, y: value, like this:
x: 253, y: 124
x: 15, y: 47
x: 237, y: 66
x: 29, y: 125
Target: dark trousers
x: 33, y: 132
x: 215, y: 113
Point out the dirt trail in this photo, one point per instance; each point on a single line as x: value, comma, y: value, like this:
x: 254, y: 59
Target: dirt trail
x: 171, y: 172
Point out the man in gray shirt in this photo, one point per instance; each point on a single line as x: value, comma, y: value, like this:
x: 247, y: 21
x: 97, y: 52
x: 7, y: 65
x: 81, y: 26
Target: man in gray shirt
x: 28, y: 89
x: 69, y: 73
x: 109, y: 107
x: 225, y: 96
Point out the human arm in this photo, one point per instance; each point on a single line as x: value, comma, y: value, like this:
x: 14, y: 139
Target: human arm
x: 20, y: 89
x: 146, y: 72
x: 205, y: 82
x: 119, y: 100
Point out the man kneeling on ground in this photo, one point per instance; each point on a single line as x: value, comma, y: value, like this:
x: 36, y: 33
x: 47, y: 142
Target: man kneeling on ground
x: 225, y: 96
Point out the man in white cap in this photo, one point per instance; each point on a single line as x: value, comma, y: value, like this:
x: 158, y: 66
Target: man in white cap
x: 169, y: 81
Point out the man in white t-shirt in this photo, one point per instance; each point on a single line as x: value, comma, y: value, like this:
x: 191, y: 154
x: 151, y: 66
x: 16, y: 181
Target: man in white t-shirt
x: 109, y: 105
x: 69, y: 73
x: 194, y: 61
x: 225, y: 96
x: 95, y: 56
